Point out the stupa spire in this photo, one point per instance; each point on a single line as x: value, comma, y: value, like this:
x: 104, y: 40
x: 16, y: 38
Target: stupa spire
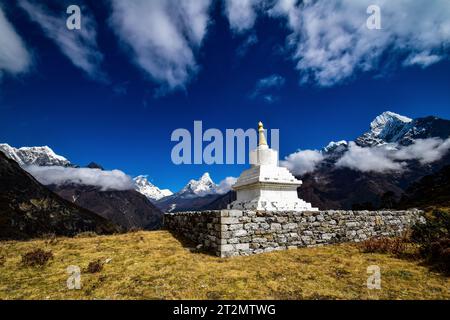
x: 262, y: 137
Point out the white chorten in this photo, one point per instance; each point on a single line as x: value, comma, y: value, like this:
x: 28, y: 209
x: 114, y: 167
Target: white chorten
x: 266, y: 186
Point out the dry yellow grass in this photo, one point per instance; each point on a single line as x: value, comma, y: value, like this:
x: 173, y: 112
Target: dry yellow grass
x: 155, y: 265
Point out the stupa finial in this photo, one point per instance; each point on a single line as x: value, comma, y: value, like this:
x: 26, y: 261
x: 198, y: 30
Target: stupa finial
x: 262, y: 137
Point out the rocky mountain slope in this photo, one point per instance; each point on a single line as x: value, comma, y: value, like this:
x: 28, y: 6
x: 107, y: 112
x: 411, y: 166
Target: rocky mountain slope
x: 126, y: 208
x: 431, y: 190
x: 39, y: 156
x: 152, y: 192
x: 28, y: 209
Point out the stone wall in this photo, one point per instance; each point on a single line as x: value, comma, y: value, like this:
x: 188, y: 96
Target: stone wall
x: 234, y: 232
x: 202, y: 228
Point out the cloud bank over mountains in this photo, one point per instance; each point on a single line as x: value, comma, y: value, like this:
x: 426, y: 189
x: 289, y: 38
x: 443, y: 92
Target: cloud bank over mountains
x: 105, y: 180
x: 303, y: 161
x: 387, y: 158
x: 328, y: 42
x: 383, y: 158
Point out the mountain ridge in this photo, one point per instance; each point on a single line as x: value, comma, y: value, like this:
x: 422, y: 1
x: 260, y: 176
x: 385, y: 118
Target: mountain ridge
x: 28, y: 209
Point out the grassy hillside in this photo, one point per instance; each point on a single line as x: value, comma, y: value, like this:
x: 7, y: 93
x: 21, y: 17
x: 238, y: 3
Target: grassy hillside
x: 154, y: 265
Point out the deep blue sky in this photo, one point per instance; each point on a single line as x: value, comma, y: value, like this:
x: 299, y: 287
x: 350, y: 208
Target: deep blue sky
x: 56, y: 104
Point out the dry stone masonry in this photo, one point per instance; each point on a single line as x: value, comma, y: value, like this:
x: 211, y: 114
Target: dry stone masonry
x: 228, y: 233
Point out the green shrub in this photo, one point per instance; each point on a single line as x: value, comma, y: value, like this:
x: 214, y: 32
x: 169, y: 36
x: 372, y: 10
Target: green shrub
x: 433, y: 238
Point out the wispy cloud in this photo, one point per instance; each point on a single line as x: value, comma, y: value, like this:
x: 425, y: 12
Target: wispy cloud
x: 162, y: 37
x: 303, y: 161
x: 386, y: 158
x: 105, y: 180
x: 265, y: 88
x: 14, y: 56
x: 331, y: 43
x: 80, y: 46
x: 242, y: 14
x: 249, y: 41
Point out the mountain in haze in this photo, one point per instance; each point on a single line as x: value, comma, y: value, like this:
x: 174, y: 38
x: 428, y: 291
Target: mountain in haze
x: 28, y: 209
x: 195, y: 195
x: 152, y: 192
x: 39, y: 156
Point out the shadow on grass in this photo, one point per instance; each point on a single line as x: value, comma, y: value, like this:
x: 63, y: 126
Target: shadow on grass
x: 191, y: 245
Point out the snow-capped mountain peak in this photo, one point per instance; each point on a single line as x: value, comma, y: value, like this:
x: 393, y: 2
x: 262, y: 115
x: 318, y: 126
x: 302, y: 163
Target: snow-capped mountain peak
x: 40, y: 156
x: 387, y: 119
x: 389, y: 127
x: 201, y: 187
x: 336, y: 146
x: 152, y: 192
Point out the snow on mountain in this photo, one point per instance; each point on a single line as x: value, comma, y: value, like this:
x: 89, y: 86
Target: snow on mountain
x: 152, y: 192
x: 198, y: 188
x: 389, y: 127
x: 336, y: 146
x: 39, y: 156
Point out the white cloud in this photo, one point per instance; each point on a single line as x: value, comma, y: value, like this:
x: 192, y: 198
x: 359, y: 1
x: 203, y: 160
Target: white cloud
x: 424, y: 150
x: 302, y: 161
x: 242, y: 14
x: 14, y: 56
x: 375, y: 159
x: 331, y: 43
x: 266, y: 85
x: 163, y: 36
x: 225, y: 185
x: 250, y: 41
x: 106, y: 180
x: 80, y: 46
x: 388, y: 158
x: 423, y: 59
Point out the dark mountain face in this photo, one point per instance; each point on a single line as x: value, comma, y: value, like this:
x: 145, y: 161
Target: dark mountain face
x: 28, y: 209
x: 93, y: 165
x: 431, y: 190
x: 222, y: 202
x: 129, y: 209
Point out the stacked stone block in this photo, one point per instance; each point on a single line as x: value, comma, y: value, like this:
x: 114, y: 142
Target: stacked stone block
x: 234, y: 232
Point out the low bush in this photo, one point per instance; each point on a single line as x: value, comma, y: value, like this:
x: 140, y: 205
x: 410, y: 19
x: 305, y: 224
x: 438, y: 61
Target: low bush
x: 36, y: 258
x: 433, y: 238
x: 396, y: 246
x: 94, y: 266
